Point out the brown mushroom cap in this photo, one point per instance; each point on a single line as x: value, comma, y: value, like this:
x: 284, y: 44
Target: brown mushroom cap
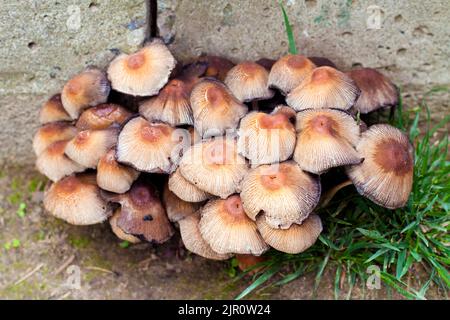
x: 386, y: 174
x: 282, y: 193
x: 53, y: 111
x: 102, y: 116
x: 266, y: 63
x: 185, y: 190
x: 52, y: 132
x: 76, y: 199
x: 86, y: 89
x: 226, y: 228
x: 176, y: 208
x: 218, y: 67
x: 325, y: 87
x: 119, y: 232
x: 377, y: 91
x: 325, y: 139
x: 266, y: 138
x: 289, y: 71
x: 294, y: 240
x: 214, y: 166
x: 247, y: 261
x: 248, y: 81
x: 113, y: 176
x: 323, y: 62
x: 215, y: 108
x: 144, y: 72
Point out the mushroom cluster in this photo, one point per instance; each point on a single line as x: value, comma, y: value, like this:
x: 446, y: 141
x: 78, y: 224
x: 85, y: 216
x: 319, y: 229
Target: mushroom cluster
x: 231, y: 155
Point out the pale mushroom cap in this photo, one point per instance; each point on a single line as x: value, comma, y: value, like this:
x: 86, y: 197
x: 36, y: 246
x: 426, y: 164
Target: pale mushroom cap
x: 52, y: 132
x: 386, y: 174
x: 185, y: 190
x: 113, y: 176
x: 52, y: 111
x: 119, y: 232
x: 176, y: 208
x: 102, y: 116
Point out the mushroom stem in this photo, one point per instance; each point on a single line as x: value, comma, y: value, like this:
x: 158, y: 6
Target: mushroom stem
x: 327, y: 196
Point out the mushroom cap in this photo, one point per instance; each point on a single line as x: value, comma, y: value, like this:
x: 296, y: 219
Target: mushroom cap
x: 282, y: 193
x: 247, y: 261
x: 185, y: 190
x: 325, y: 139
x: 54, y: 164
x: 193, y: 241
x: 266, y: 138
x: 215, y: 108
x: 290, y: 113
x: 325, y: 87
x: 119, y: 232
x: 227, y: 229
x: 386, y: 174
x: 86, y: 89
x: 150, y: 147
x: 294, y: 240
x: 113, y: 176
x: 76, y: 199
x: 218, y: 67
x: 289, y: 71
x: 377, y: 91
x: 52, y: 111
x: 176, y: 208
x: 248, y: 81
x: 89, y: 146
x: 266, y: 63
x: 323, y: 62
x: 52, y: 132
x: 144, y: 72
x: 214, y: 166
x: 102, y: 116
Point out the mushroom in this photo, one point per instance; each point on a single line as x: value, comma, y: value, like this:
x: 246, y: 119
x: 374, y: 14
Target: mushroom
x: 87, y: 89
x: 282, y: 193
x: 227, y: 229
x: 215, y: 108
x: 289, y: 71
x: 249, y: 261
x: 322, y: 62
x: 325, y: 87
x: 193, y: 241
x: 119, y: 232
x: 376, y: 90
x: 52, y: 111
x: 325, y: 139
x: 386, y: 174
x: 214, y: 166
x: 176, y: 208
x: 77, y: 200
x: 52, y: 132
x: 53, y: 163
x: 294, y: 240
x: 113, y: 176
x: 102, y: 116
x: 266, y: 63
x: 185, y: 190
x: 218, y: 67
x: 144, y: 72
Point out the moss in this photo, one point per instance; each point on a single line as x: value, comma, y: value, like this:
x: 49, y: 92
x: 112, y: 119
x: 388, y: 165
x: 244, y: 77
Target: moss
x: 79, y: 241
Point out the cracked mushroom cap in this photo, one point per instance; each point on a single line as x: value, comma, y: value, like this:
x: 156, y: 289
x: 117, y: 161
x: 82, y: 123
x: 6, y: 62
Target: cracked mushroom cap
x: 386, y: 174
x: 102, y: 117
x: 282, y: 193
x: 87, y: 89
x: 325, y: 87
x: 52, y: 132
x: 289, y: 71
x: 214, y: 166
x: 377, y: 91
x: 113, y: 176
x: 215, y: 108
x: 266, y: 138
x: 144, y: 72
x: 227, y: 229
x: 119, y: 232
x: 248, y: 81
x: 77, y: 200
x: 52, y: 111
x: 185, y: 190
x: 294, y: 240
x: 54, y: 164
x: 325, y: 139
x: 176, y: 208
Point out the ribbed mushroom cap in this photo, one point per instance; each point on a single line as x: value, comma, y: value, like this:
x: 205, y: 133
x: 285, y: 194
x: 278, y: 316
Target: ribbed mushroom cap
x: 193, y: 241
x: 266, y: 138
x: 102, y: 116
x: 52, y: 132
x: 290, y: 113
x: 86, y: 89
x: 52, y: 111
x: 248, y: 81
x: 282, y: 193
x: 215, y: 108
x: 214, y: 166
x: 176, y: 208
x: 386, y: 174
x: 325, y: 139
x: 377, y: 91
x: 54, y: 164
x: 150, y: 147
x: 76, y: 199
x: 113, y: 176
x: 294, y: 240
x: 289, y: 71
x: 144, y: 72
x: 325, y: 87
x: 185, y: 190
x: 89, y: 146
x: 119, y: 232
x: 218, y: 67
x: 227, y: 229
